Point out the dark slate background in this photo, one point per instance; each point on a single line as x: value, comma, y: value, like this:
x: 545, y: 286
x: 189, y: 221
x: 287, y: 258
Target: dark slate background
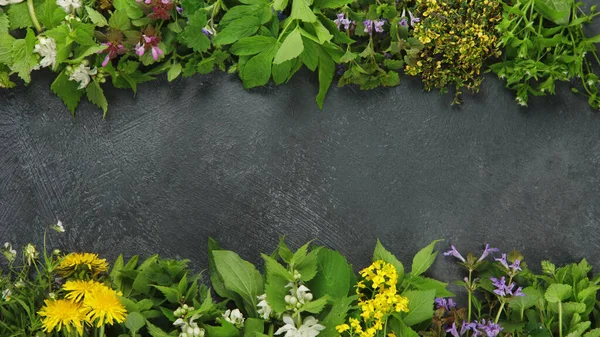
x: 202, y: 157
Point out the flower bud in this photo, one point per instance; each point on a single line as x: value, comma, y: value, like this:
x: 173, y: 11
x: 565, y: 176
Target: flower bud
x: 308, y: 297
x: 190, y: 330
x: 197, y: 331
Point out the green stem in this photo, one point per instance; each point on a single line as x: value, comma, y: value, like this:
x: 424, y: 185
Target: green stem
x: 560, y: 318
x: 284, y: 29
x: 499, y: 312
x: 470, y: 295
x: 101, y: 331
x: 33, y: 17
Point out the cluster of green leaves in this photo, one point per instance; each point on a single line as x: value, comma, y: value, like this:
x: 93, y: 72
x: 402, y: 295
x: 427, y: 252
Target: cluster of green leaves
x: 545, y: 43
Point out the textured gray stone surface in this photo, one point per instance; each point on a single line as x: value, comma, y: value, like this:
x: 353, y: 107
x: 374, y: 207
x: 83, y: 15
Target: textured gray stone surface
x: 201, y: 157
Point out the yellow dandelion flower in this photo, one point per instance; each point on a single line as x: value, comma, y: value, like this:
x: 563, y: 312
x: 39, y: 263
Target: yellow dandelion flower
x: 77, y: 290
x: 104, y: 306
x: 62, y: 313
x: 72, y: 262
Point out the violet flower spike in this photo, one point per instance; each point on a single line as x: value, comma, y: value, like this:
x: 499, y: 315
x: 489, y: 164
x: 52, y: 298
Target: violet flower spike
x: 519, y: 292
x: 451, y: 304
x: 340, y: 18
x: 413, y: 19
x: 487, y: 252
x: 454, y: 253
x: 453, y: 330
x: 441, y: 302
x: 515, y: 266
x: 500, y: 285
x: 368, y: 26
x: 403, y: 22
x: 503, y: 261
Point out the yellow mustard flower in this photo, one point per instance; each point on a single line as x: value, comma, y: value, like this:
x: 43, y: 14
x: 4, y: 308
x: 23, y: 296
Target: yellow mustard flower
x: 62, y: 313
x: 342, y: 327
x: 104, y: 306
x: 77, y: 290
x: 72, y: 262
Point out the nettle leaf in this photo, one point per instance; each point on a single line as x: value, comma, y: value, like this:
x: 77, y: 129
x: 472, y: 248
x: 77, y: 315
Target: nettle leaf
x: 557, y: 11
x: 238, y: 29
x: 82, y: 33
x: 67, y: 91
x: 192, y: 35
x: 291, y: 47
x: 191, y: 6
x: 277, y: 278
x: 119, y: 20
x: 420, y: 306
x: 301, y: 11
x: 307, y: 266
x: 316, y: 306
x: 6, y: 43
x: 257, y: 71
x: 4, y: 23
x: 252, y: 326
x: 558, y: 292
x: 129, y: 7
x: 18, y: 14
x: 51, y: 14
x: 239, y: 276
x: 333, y: 275
x: 326, y: 72
x: 96, y: 17
x: 332, y: 3
x: 381, y: 253
x: 252, y: 45
x: 23, y: 59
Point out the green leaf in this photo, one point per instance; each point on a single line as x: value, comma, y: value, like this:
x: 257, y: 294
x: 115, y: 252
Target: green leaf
x: 420, y: 306
x: 332, y: 3
x: 291, y: 47
x: 400, y: 328
x: 23, y: 59
x: 18, y: 15
x: 323, y: 33
x: 192, y: 35
x: 310, y: 54
x: 301, y: 11
x: 130, y: 7
x: 425, y: 283
x: 336, y: 316
x: 307, y: 266
x: 593, y: 39
x: 237, y: 29
x: 6, y: 43
x: 226, y: 330
x: 326, y: 71
x: 252, y: 45
x: 119, y: 20
x: 82, y: 33
x: 82, y: 53
x: 252, y: 326
x: 257, y: 71
x: 95, y: 94
x: 316, y: 306
x: 558, y: 292
x: 174, y: 72
x: 381, y: 253
x: 333, y: 275
x: 239, y: 276
x: 191, y: 6
x: 172, y: 295
x: 423, y: 259
x: 134, y: 321
x: 155, y: 331
x: 557, y: 11
x: 95, y: 16
x: 593, y: 333
x: 4, y: 23
x: 280, y: 5
x: 525, y: 302
x: 281, y: 72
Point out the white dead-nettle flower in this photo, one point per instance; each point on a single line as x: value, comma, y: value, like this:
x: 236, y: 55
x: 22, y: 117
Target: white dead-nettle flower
x: 9, y: 252
x: 9, y: 2
x: 59, y: 227
x: 520, y: 101
x: 30, y: 253
x: 82, y: 75
x: 189, y: 328
x: 69, y: 5
x: 309, y: 327
x: 234, y: 317
x: 298, y: 298
x: 264, y: 309
x: 46, y: 48
x: 6, y: 294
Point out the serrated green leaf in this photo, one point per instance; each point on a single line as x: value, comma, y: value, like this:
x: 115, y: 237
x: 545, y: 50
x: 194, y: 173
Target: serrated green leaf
x: 558, y: 292
x: 82, y: 33
x: 191, y: 6
x: 333, y: 275
x: 257, y: 71
x: 6, y: 43
x: 172, y: 295
x: 424, y: 259
x: 18, y: 15
x: 134, y: 321
x: 50, y: 14
x: 307, y: 266
x: 380, y: 253
x: 326, y: 72
x: 277, y: 278
x: 420, y: 306
x: 96, y: 17
x: 130, y: 7
x: 67, y: 91
x: 291, y: 47
x: 4, y: 23
x: 331, y: 3
x: 316, y: 306
x: 237, y: 29
x: 193, y: 36
x: 280, y: 5
x: 301, y: 11
x: 119, y: 20
x: 593, y: 333
x: 95, y: 94
x: 252, y: 326
x: 226, y: 330
x: 23, y: 59
x: 323, y: 33
x: 252, y: 45
x: 155, y: 331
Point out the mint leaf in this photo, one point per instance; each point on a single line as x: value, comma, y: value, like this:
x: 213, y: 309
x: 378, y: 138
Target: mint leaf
x: 4, y: 23
x: 291, y: 47
x: 302, y: 11
x: 192, y: 35
x: 326, y: 71
x: 96, y: 95
x: 23, y: 59
x: 130, y: 7
x: 257, y: 71
x: 18, y: 15
x: 238, y: 29
x: 96, y: 17
x: 252, y: 45
x: 67, y: 91
x: 331, y: 3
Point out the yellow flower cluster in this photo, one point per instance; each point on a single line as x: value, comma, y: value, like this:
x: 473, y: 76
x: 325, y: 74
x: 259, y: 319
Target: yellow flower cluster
x: 380, y: 280
x: 75, y: 261
x: 85, y: 302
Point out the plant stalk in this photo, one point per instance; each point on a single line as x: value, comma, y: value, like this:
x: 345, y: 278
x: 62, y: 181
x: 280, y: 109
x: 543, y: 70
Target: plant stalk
x: 33, y: 17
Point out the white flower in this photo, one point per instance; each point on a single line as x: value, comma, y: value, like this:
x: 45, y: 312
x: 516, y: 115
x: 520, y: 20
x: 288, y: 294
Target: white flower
x: 9, y: 2
x: 9, y: 252
x: 6, y: 294
x: 69, y: 5
x: 520, y: 101
x: 59, y: 227
x: 309, y: 328
x: 82, y: 75
x: 46, y: 48
x: 189, y: 328
x: 264, y: 308
x: 234, y: 317
x: 303, y: 294
x: 20, y: 283
x: 30, y: 253
x: 52, y: 295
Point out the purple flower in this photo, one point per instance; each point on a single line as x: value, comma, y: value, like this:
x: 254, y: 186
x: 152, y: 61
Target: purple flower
x: 112, y: 51
x: 516, y: 266
x: 490, y: 328
x: 368, y: 26
x: 519, y: 292
x: 403, y: 22
x: 379, y: 25
x: 454, y: 252
x: 149, y: 42
x: 179, y: 9
x: 342, y: 20
x: 500, y: 286
x: 503, y: 261
x: 453, y: 330
x: 447, y: 304
x: 340, y: 69
x: 281, y: 16
x: 208, y: 32
x: 487, y: 252
x: 413, y: 19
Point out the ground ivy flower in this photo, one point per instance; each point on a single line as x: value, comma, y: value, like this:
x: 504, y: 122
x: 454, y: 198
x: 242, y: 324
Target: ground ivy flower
x: 454, y: 253
x: 371, y: 25
x: 46, y: 48
x: 69, y: 5
x: 6, y: 294
x: 179, y: 10
x: 9, y: 253
x: 30, y: 253
x: 503, y: 290
x: 403, y: 22
x: 487, y: 252
x: 82, y: 74
x: 149, y: 43
x: 342, y: 20
x: 264, y: 308
x: 447, y: 304
x: 503, y: 261
x: 59, y: 227
x: 112, y: 51
x: 490, y: 328
x: 454, y: 331
x: 515, y: 266
x: 208, y: 32
x: 309, y: 327
x: 234, y: 317
x: 413, y: 19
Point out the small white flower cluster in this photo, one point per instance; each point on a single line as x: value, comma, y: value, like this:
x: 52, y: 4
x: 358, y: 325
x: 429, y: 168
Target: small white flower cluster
x: 234, y: 317
x: 308, y: 328
x: 59, y: 227
x: 521, y: 101
x: 9, y: 2
x: 297, y: 298
x: 188, y: 327
x: 81, y: 74
x: 46, y: 48
x: 30, y: 253
x: 69, y: 5
x: 264, y: 309
x: 9, y: 252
